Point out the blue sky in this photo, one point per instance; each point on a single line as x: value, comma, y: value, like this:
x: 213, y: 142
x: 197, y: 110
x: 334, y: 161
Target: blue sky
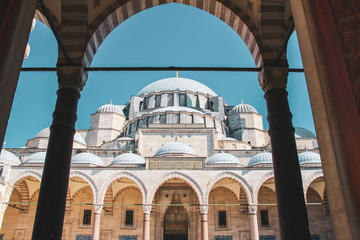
x: 167, y: 35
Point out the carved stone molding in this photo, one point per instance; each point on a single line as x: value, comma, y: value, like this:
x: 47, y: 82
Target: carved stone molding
x: 98, y: 208
x: 253, y: 209
x: 204, y: 209
x: 147, y: 208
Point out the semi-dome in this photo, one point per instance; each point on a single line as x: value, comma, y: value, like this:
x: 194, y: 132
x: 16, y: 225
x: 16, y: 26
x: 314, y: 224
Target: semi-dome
x: 223, y: 158
x: 260, y: 158
x: 87, y: 158
x: 128, y: 158
x: 242, y: 108
x: 45, y: 133
x: 38, y: 157
x: 309, y: 158
x: 303, y: 133
x: 173, y: 84
x: 110, y: 108
x: 7, y: 157
x: 175, y: 148
x: 176, y: 109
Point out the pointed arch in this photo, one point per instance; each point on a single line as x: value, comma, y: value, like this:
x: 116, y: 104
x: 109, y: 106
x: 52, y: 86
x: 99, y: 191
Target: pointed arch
x: 88, y: 180
x: 28, y: 173
x: 119, y: 11
x: 307, y: 182
x: 233, y: 176
x: 104, y: 187
x: 160, y: 181
x: 259, y: 184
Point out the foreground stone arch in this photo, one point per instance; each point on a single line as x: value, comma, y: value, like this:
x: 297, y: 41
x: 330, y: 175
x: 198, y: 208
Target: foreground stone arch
x: 193, y: 184
x: 259, y: 184
x: 117, y: 13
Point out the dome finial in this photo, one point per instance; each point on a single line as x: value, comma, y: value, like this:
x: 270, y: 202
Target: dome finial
x: 111, y: 101
x: 4, y: 145
x: 242, y: 102
x: 177, y: 74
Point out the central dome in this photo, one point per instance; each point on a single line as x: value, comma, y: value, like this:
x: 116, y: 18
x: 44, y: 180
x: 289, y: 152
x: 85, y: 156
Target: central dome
x: 172, y: 84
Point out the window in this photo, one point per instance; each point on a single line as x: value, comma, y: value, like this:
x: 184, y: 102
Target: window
x: 264, y: 218
x: 87, y: 218
x: 129, y: 218
x: 222, y: 219
x: 267, y: 237
x: 171, y: 99
x: 157, y: 101
x: 182, y: 99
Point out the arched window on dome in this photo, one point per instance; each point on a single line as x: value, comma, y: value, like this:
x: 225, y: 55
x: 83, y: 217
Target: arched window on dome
x: 171, y: 99
x: 157, y: 101
x: 140, y: 105
x: 182, y: 99
x: 211, y: 105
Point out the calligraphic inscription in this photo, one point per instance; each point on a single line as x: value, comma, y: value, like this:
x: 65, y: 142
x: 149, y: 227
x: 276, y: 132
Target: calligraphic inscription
x: 176, y: 226
x: 127, y: 237
x: 175, y: 164
x: 267, y: 237
x: 223, y: 238
x: 83, y: 237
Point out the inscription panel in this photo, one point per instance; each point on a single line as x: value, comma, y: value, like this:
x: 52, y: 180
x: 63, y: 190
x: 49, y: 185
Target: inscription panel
x: 127, y: 237
x: 169, y: 165
x: 223, y: 238
x: 83, y: 237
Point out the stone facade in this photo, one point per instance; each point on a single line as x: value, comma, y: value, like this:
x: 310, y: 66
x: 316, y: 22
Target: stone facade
x: 191, y: 161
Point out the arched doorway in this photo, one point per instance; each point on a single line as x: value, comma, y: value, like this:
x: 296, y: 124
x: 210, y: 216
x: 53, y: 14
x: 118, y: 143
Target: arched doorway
x: 175, y: 212
x: 175, y: 220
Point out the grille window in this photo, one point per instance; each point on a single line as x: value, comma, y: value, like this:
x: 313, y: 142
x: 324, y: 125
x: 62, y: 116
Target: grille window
x: 222, y: 219
x: 129, y: 218
x: 87, y: 218
x: 264, y: 218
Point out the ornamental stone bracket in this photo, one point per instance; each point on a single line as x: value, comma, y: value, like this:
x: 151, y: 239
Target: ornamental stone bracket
x: 72, y: 76
x: 273, y: 76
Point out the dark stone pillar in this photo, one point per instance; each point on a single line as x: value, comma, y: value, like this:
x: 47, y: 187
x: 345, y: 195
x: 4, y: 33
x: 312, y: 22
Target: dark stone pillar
x: 54, y: 183
x: 292, y: 211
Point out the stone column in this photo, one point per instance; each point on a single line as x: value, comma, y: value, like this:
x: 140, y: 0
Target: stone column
x: 204, y: 222
x: 15, y: 22
x: 254, y: 226
x: 96, y: 223
x: 146, y: 223
x: 50, y: 210
x: 293, y: 219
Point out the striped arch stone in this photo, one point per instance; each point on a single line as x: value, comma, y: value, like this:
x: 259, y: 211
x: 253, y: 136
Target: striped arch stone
x: 307, y: 182
x: 24, y: 196
x: 119, y: 11
x: 193, y: 184
x: 89, y: 181
x: 233, y: 176
x: 24, y: 174
x: 104, y: 187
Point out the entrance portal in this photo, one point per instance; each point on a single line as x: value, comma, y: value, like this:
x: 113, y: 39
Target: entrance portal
x: 175, y: 220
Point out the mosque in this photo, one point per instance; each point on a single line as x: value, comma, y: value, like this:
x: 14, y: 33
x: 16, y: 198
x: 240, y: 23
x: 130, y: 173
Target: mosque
x: 175, y: 162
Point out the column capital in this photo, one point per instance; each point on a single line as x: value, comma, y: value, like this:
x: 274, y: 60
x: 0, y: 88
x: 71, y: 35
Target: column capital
x: 97, y: 208
x: 273, y: 76
x: 204, y: 208
x: 71, y: 76
x: 147, y: 208
x: 253, y: 209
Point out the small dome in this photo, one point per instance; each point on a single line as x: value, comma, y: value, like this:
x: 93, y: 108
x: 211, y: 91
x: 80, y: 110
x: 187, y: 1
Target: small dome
x: 7, y: 157
x: 242, y: 108
x: 176, y: 84
x: 175, y: 148
x: 110, y: 108
x: 309, y: 158
x: 176, y: 109
x: 45, y: 133
x: 38, y: 157
x: 128, y: 158
x: 260, y: 158
x: 87, y: 158
x: 223, y: 158
x: 303, y: 133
